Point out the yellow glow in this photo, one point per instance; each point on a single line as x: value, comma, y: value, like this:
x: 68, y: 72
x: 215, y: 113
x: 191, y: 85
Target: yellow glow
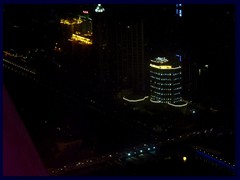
x: 6, y: 53
x: 184, y: 158
x: 21, y: 67
x: 81, y: 39
x: 163, y: 67
x: 71, y: 22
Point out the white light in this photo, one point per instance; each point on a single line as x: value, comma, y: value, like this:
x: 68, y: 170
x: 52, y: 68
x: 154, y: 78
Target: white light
x: 129, y: 154
x: 99, y: 8
x: 137, y: 100
x: 174, y: 105
x: 141, y: 151
x: 160, y: 60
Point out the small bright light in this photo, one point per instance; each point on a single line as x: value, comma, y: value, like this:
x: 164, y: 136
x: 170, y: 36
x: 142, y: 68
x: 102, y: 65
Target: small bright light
x: 129, y: 154
x: 148, y: 149
x: 199, y: 72
x: 99, y: 8
x: 184, y: 158
x: 141, y: 151
x: 154, y: 147
x: 180, y: 13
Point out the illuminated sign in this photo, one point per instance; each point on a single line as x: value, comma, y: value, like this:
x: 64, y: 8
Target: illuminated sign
x: 85, y: 12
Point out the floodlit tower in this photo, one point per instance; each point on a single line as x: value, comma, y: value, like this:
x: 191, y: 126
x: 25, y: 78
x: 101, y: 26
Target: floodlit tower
x: 165, y: 81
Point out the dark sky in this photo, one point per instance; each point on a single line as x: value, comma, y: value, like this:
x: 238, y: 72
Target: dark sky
x: 206, y: 32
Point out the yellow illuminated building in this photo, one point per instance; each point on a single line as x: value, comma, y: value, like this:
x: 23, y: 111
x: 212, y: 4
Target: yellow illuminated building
x: 71, y: 22
x: 81, y: 39
x: 165, y: 81
x: 81, y: 30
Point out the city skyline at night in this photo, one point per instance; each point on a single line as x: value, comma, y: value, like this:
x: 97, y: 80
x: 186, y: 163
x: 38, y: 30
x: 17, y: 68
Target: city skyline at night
x: 116, y: 89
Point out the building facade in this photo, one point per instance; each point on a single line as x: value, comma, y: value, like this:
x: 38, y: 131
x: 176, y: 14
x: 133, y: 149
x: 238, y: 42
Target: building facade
x: 119, y: 42
x: 165, y: 81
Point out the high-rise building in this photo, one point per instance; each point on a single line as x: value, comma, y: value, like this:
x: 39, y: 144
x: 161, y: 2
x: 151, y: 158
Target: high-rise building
x: 165, y: 81
x: 119, y: 41
x: 130, y: 51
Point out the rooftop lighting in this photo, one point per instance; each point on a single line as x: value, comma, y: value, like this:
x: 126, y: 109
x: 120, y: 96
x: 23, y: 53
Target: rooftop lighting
x: 99, y: 8
x: 160, y: 60
x: 163, y: 67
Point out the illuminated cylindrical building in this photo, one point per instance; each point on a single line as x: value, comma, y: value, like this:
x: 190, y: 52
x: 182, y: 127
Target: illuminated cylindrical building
x: 165, y: 81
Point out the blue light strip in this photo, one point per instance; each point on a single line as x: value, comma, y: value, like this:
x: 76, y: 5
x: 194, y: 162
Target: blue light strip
x: 219, y: 162
x: 180, y: 57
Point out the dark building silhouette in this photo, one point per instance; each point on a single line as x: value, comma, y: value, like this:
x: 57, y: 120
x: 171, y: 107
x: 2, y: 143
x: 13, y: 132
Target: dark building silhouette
x: 119, y: 42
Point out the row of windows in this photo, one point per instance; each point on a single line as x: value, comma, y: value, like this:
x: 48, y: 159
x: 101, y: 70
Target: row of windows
x: 161, y: 99
x: 164, y: 101
x: 158, y: 78
x: 177, y: 88
x: 161, y: 74
x: 178, y: 98
x: 165, y: 79
x: 154, y: 81
x: 163, y: 84
x: 175, y: 74
x: 176, y: 83
x: 163, y: 94
x: 163, y: 89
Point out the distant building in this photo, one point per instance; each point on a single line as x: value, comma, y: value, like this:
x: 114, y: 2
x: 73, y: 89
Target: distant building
x: 120, y: 46
x: 78, y: 29
x: 165, y: 81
